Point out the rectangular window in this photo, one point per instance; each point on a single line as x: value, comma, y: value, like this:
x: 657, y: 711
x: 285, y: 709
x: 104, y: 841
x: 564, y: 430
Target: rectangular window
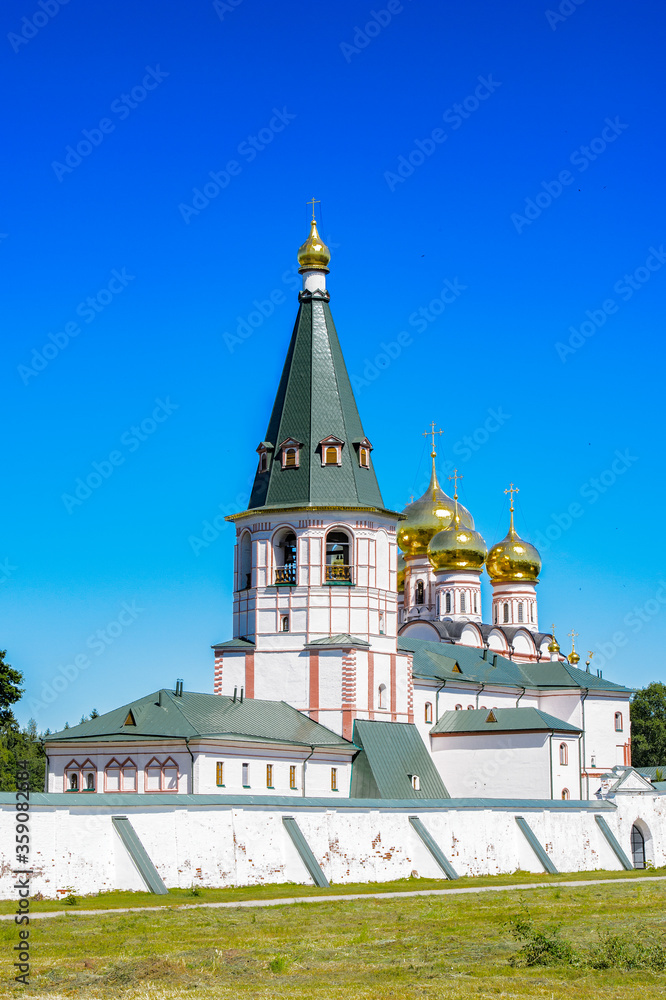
x: 170, y: 779
x: 219, y: 774
x: 129, y: 779
x: 520, y: 611
x: 246, y: 775
x: 113, y: 779
x: 153, y: 778
x: 269, y: 775
x: 462, y: 603
x: 292, y: 776
x: 334, y: 779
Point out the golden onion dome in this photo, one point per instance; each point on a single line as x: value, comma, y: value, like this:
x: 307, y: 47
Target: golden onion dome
x: 457, y: 547
x: 427, y: 516
x: 314, y: 254
x: 513, y: 559
x: 573, y: 658
x: 553, y: 646
x: 401, y: 573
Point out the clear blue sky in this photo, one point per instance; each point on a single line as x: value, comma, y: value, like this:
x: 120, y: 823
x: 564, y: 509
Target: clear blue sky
x: 283, y: 102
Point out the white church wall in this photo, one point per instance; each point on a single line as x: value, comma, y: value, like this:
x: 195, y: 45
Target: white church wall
x: 512, y: 765
x: 230, y: 843
x: 604, y: 746
x: 283, y: 679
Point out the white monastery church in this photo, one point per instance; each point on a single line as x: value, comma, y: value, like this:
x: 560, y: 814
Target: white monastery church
x: 362, y: 681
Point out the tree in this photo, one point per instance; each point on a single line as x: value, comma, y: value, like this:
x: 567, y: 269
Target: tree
x: 10, y: 690
x: 17, y: 744
x: 648, y: 726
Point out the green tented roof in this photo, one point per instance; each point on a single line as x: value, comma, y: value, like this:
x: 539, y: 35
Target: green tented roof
x: 475, y: 720
x: 315, y: 401
x: 391, y: 753
x: 194, y: 715
x: 437, y: 660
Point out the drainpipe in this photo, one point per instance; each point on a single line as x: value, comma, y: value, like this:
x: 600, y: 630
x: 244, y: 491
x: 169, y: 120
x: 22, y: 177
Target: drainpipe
x: 587, y: 779
x: 46, y: 769
x: 437, y: 701
x: 312, y: 750
x: 580, y: 770
x: 520, y: 696
x: 187, y: 744
x: 478, y: 694
x: 551, y: 765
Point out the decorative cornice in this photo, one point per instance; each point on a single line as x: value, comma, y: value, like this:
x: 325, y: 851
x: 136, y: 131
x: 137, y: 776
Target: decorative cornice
x: 318, y: 293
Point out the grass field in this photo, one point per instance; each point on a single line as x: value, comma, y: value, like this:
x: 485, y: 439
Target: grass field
x: 424, y: 947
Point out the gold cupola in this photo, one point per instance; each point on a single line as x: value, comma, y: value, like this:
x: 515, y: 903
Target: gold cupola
x: 426, y: 516
x: 573, y: 656
x: 513, y: 560
x: 457, y: 547
x: 314, y: 255
x: 401, y: 573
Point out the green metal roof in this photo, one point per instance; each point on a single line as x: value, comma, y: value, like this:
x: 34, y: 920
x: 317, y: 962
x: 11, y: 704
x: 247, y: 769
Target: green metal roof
x: 132, y: 801
x: 437, y: 660
x: 392, y: 753
x: 342, y: 639
x: 234, y: 644
x: 509, y: 720
x: 315, y: 400
x: 194, y: 715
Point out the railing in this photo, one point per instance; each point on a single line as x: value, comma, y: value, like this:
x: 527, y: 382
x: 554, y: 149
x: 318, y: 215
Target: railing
x: 337, y: 573
x: 285, y: 575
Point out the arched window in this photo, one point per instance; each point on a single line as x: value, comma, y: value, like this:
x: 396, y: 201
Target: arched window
x: 245, y: 572
x: 263, y: 461
x: 463, y: 602
x: 618, y: 722
x: 564, y: 754
x: 565, y: 793
x: 382, y: 701
x: 290, y: 456
x: 470, y: 708
x: 284, y: 623
x: 72, y: 776
x: 506, y: 613
x: 331, y: 456
x: 495, y: 614
x: 476, y: 603
x: 338, y: 568
x: 90, y: 782
x: 419, y: 593
x: 520, y: 611
x: 364, y: 458
x: 284, y: 549
x: 448, y: 602
x: 458, y: 708
x: 330, y: 449
x: 637, y: 847
x: 531, y: 611
x: 428, y: 711
x: 73, y: 781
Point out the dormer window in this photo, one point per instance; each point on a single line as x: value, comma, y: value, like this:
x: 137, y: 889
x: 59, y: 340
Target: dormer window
x: 291, y: 452
x: 331, y: 450
x: 264, y: 448
x: 364, y: 449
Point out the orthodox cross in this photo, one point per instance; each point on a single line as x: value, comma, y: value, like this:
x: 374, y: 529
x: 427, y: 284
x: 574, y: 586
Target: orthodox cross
x: 573, y: 638
x: 455, y: 477
x: 432, y: 433
x: 512, y: 489
x: 313, y: 202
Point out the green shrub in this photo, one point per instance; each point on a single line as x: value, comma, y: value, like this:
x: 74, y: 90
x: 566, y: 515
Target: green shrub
x: 539, y: 947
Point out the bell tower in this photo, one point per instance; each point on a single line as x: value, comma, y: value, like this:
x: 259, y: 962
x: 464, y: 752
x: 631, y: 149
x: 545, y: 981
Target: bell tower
x: 315, y: 573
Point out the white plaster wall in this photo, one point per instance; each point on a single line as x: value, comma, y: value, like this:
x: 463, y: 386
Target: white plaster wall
x: 76, y: 848
x: 512, y: 765
x: 601, y: 740
x: 281, y: 678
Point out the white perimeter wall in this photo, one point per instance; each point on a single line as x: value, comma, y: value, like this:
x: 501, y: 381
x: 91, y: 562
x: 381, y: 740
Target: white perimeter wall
x: 233, y: 844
